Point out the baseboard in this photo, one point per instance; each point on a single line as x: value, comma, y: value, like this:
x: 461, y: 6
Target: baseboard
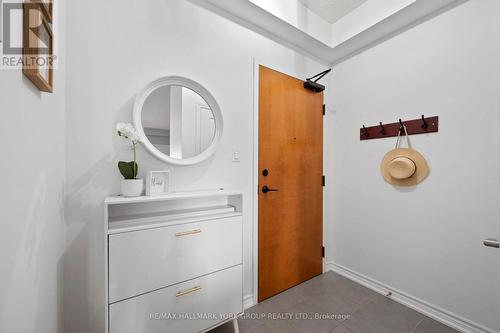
x: 450, y: 319
x: 248, y: 301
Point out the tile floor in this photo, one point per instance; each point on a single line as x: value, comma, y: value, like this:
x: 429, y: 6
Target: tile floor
x: 345, y: 307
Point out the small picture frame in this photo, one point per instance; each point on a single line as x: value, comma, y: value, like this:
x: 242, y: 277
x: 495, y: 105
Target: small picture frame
x: 157, y: 183
x: 38, y: 47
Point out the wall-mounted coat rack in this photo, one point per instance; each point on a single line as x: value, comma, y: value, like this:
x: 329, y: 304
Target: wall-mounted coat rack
x: 416, y: 126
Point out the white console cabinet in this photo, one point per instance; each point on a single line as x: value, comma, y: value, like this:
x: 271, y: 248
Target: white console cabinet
x: 173, y: 262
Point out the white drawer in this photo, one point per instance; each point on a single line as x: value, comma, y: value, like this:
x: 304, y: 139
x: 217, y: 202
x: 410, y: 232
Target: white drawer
x: 214, y: 296
x: 145, y: 260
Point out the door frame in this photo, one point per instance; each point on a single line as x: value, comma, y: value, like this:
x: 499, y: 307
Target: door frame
x: 199, y: 107
x: 251, y: 300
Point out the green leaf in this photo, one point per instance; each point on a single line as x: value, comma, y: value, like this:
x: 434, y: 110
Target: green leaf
x: 129, y: 170
x: 134, y: 167
x: 126, y: 170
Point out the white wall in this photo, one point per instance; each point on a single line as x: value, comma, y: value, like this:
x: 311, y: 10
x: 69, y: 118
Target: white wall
x: 424, y: 241
x: 129, y: 44
x: 32, y: 236
x: 363, y: 17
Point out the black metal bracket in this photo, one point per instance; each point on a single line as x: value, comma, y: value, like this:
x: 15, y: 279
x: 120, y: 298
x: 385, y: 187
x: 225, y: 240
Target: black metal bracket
x: 424, y: 123
x: 365, y: 131
x: 314, y: 85
x: 401, y: 127
x: 382, y: 131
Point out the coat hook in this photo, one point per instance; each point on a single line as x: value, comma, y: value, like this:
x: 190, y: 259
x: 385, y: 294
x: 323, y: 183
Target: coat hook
x: 383, y: 129
x: 365, y: 131
x: 401, y: 126
x: 424, y: 123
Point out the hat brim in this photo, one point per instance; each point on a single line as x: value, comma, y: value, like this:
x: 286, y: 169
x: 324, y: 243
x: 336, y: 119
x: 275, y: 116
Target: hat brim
x: 421, y: 172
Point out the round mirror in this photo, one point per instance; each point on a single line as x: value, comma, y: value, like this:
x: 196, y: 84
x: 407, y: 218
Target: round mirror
x: 179, y: 120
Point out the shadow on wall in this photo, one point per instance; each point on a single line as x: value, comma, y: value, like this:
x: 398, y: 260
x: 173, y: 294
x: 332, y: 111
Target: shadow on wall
x: 32, y: 279
x: 83, y: 294
x: 30, y: 86
x: 84, y: 300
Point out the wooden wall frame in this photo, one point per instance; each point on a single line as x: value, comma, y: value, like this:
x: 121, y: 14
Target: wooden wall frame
x: 46, y: 6
x: 38, y: 44
x: 47, y: 9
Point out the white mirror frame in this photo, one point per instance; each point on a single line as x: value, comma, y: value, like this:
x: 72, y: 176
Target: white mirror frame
x: 194, y: 86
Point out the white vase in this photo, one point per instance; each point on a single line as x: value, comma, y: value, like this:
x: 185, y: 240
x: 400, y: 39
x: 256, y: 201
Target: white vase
x: 132, y: 187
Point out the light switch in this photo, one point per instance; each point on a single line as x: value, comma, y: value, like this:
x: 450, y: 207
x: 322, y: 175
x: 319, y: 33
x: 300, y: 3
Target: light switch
x: 236, y: 155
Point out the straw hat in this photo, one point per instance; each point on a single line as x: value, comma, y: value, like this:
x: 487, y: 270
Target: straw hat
x: 404, y: 166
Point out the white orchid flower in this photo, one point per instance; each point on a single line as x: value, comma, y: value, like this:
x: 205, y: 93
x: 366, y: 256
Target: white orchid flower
x: 128, y: 131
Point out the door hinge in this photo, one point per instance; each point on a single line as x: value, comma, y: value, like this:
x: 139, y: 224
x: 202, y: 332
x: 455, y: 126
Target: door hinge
x: 324, y: 109
x: 323, y: 252
x: 324, y: 181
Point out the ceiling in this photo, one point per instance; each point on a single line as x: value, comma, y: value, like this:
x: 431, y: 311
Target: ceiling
x: 252, y: 16
x: 332, y: 10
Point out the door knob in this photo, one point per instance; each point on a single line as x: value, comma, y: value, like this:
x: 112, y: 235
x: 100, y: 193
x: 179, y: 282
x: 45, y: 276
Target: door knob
x: 266, y: 189
x: 491, y: 243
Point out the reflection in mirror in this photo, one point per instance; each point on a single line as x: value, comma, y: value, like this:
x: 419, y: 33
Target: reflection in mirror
x: 178, y: 122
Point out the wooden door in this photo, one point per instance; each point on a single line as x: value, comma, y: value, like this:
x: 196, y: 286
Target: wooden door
x: 291, y: 150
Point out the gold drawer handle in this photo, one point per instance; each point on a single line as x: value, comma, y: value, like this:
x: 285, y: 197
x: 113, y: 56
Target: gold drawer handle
x: 189, y: 291
x: 187, y: 233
